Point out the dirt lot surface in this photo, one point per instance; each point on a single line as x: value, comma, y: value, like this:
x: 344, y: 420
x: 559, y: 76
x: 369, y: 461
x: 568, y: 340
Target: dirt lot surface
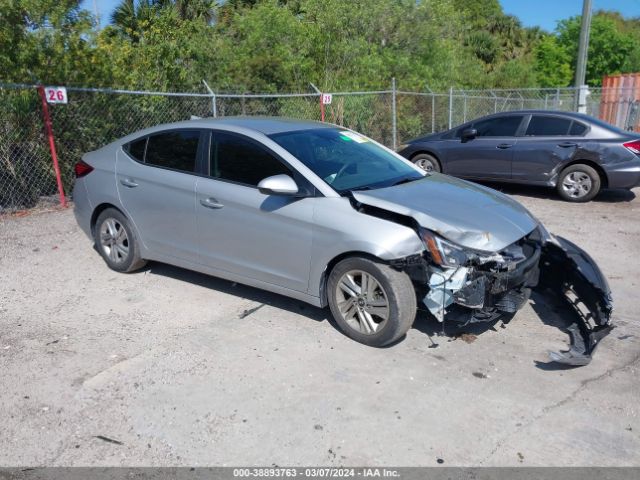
x: 169, y: 367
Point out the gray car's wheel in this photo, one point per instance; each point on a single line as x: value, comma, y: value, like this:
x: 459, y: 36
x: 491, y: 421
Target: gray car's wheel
x: 427, y: 162
x: 116, y: 241
x: 578, y: 183
x: 372, y: 303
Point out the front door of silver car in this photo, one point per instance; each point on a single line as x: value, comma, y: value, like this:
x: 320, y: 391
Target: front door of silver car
x: 156, y: 184
x: 245, y: 232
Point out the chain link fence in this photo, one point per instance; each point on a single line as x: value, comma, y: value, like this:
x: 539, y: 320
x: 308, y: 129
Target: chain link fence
x: 95, y: 117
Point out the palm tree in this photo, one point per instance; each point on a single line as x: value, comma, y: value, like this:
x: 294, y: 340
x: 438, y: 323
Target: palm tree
x: 192, y: 9
x: 129, y: 16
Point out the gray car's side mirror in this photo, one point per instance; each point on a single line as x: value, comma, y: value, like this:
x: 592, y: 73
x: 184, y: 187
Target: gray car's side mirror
x: 468, y: 134
x: 278, y: 185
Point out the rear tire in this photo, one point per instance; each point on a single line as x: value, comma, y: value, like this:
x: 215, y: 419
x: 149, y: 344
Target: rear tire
x: 377, y: 315
x: 116, y: 241
x: 427, y: 162
x: 578, y: 183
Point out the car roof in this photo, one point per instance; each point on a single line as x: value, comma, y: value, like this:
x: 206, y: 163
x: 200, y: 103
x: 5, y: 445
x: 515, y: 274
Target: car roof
x: 264, y: 125
x: 576, y: 115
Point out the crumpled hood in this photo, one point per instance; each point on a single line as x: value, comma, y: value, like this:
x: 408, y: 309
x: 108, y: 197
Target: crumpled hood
x: 466, y: 213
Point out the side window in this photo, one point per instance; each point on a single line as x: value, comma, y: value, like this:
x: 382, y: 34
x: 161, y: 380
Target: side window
x: 499, y: 127
x: 577, y: 128
x: 239, y: 160
x: 136, y: 149
x: 541, y: 126
x: 177, y: 150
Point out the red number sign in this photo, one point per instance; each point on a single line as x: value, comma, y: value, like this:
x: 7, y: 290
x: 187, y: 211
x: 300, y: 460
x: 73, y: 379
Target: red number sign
x: 56, y: 94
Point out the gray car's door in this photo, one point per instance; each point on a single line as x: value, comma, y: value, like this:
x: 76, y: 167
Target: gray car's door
x: 489, y: 155
x: 548, y: 140
x: 242, y: 231
x: 156, y: 184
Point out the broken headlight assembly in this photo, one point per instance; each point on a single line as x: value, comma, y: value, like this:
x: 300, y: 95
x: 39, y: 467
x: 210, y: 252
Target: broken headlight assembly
x: 443, y: 252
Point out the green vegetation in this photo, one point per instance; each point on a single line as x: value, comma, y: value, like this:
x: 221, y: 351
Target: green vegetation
x: 282, y: 45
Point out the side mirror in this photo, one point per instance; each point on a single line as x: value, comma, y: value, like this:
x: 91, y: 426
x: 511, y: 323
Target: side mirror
x: 278, y: 185
x: 468, y: 134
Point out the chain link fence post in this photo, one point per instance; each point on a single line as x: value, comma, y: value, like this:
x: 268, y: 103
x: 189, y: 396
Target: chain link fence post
x: 394, y: 120
x: 450, y: 107
x: 48, y: 128
x: 214, y: 101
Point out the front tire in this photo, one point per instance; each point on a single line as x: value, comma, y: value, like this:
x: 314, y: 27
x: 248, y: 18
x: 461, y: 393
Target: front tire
x: 371, y: 302
x: 116, y: 241
x: 427, y: 162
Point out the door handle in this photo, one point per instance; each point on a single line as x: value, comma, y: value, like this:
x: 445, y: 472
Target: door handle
x: 503, y: 146
x: 210, y: 203
x: 128, y: 182
x: 567, y: 144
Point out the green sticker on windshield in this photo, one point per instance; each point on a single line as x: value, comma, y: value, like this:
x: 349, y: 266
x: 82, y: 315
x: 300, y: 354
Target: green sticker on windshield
x: 352, y: 137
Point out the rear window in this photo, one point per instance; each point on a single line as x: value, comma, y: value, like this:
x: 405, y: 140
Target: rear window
x: 542, y: 126
x: 136, y: 149
x: 176, y: 150
x: 577, y: 128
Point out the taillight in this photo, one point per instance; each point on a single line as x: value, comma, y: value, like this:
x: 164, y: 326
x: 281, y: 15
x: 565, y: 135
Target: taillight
x: 633, y: 146
x: 82, y: 168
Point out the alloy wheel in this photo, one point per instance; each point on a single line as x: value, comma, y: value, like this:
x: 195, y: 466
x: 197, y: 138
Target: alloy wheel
x: 114, y: 240
x: 362, y: 302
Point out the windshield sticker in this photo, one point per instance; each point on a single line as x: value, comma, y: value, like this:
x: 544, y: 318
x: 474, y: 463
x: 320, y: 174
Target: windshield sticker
x: 352, y: 136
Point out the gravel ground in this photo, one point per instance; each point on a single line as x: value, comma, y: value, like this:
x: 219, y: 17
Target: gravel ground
x: 169, y: 367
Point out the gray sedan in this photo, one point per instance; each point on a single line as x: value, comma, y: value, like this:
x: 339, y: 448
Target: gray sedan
x: 576, y: 154
x: 322, y: 214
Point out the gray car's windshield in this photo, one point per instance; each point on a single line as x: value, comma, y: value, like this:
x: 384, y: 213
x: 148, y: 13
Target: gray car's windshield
x: 345, y: 160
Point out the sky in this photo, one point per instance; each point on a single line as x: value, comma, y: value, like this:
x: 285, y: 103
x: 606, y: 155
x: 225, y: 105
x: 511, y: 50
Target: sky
x: 542, y: 13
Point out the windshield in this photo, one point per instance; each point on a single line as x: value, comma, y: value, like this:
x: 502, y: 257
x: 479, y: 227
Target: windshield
x: 346, y: 160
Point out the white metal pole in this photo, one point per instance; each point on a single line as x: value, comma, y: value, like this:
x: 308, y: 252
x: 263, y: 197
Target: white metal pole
x: 394, y: 124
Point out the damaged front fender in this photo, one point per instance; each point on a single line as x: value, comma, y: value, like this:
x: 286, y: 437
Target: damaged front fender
x: 569, y: 271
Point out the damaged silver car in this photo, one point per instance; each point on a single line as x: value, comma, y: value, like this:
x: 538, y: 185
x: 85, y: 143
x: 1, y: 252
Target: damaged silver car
x: 325, y: 215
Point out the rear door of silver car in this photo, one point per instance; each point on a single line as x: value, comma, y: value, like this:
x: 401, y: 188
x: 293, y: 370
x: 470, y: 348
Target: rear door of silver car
x: 156, y: 181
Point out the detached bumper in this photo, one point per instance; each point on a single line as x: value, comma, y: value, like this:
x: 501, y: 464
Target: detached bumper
x: 554, y: 265
x: 569, y: 271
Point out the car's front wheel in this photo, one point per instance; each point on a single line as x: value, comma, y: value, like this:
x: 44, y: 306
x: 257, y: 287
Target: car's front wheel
x: 116, y: 241
x: 371, y: 302
x: 578, y: 183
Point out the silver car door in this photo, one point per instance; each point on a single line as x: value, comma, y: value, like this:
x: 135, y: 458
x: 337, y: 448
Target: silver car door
x: 242, y: 231
x: 156, y: 185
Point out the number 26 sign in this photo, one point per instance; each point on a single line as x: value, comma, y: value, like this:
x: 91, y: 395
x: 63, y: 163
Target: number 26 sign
x: 56, y: 94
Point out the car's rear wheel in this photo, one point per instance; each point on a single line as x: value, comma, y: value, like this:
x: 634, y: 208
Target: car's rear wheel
x: 427, y: 162
x: 578, y: 183
x: 116, y: 241
x: 372, y: 303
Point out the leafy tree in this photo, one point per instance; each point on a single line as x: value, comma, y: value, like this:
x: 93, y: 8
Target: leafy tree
x: 614, y: 47
x: 553, y: 63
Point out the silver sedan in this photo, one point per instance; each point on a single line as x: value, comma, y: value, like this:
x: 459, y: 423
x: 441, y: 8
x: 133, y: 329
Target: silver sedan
x: 325, y: 215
